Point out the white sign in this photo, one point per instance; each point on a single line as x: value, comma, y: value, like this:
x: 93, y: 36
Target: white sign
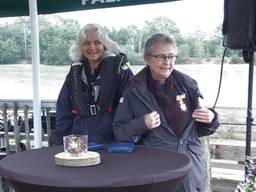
x: 92, y: 2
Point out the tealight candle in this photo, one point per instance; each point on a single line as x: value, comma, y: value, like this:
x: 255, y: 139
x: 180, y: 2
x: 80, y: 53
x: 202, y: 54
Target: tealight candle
x: 74, y: 145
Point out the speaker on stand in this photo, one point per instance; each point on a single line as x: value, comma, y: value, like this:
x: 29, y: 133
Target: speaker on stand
x: 239, y: 31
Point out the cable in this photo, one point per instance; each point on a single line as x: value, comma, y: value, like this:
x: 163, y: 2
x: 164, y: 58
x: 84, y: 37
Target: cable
x: 220, y: 81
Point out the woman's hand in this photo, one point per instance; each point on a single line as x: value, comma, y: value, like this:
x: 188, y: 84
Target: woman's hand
x: 203, y: 115
x: 152, y: 120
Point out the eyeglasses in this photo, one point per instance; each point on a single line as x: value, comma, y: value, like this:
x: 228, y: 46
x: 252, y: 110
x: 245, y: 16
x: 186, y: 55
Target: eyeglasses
x: 162, y: 57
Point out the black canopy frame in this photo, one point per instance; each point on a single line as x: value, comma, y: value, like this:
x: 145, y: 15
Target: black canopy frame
x: 249, y: 58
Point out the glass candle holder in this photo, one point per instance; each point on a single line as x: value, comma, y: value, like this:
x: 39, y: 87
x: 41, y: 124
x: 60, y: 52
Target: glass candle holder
x: 75, y: 144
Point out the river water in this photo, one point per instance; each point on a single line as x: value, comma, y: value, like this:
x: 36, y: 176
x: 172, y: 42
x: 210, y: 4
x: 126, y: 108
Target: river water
x: 16, y: 82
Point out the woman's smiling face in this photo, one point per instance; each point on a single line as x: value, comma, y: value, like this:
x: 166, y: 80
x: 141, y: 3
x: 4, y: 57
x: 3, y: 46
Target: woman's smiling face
x: 161, y: 61
x: 92, y: 47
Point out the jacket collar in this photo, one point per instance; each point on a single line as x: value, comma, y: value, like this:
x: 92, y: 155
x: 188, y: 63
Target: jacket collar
x: 140, y: 79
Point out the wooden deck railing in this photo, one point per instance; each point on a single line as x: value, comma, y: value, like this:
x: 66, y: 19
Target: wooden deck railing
x: 20, y: 114
x: 224, y: 150
x: 227, y: 148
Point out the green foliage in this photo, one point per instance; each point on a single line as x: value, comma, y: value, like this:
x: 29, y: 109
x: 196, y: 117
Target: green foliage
x: 159, y: 25
x: 8, y: 51
x: 249, y: 183
x: 133, y: 57
x: 184, y: 53
x: 236, y: 60
x: 56, y: 36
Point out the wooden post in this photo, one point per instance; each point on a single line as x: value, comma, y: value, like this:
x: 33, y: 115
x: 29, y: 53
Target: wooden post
x: 16, y: 128
x: 48, y: 123
x: 26, y: 123
x: 207, y: 157
x: 6, y: 129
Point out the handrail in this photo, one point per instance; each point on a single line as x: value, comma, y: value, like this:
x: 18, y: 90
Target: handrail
x: 20, y: 103
x: 24, y: 108
x: 18, y: 108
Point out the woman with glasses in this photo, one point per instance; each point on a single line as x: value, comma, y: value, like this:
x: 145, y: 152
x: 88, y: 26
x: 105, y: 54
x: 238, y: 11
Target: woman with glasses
x: 162, y: 109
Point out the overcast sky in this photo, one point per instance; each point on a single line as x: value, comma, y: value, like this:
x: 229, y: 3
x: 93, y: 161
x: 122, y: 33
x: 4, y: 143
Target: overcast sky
x: 189, y: 15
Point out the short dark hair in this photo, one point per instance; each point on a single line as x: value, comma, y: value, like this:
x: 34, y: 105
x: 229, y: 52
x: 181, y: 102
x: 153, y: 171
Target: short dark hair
x: 158, y: 38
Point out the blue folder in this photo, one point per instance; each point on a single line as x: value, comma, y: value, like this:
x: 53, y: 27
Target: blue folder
x: 119, y: 147
x: 95, y: 146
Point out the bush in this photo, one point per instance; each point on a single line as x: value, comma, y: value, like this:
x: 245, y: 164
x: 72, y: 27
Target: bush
x: 236, y: 60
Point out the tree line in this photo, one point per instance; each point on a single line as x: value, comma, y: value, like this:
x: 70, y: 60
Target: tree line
x: 57, y: 34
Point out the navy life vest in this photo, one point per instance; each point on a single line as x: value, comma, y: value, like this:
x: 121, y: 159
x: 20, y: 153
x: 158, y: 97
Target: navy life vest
x: 110, y: 68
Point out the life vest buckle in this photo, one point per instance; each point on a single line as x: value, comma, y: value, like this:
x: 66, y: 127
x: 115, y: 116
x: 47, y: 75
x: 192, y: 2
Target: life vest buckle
x: 93, y: 109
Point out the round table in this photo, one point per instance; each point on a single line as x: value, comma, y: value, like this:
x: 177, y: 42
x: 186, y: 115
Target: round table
x: 143, y: 170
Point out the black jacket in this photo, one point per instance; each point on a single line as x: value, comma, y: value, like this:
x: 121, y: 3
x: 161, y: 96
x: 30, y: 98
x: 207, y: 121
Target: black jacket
x: 129, y: 125
x: 98, y: 127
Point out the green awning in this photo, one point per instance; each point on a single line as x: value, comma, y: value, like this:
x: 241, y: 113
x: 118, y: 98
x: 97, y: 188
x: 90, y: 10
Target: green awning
x: 10, y: 8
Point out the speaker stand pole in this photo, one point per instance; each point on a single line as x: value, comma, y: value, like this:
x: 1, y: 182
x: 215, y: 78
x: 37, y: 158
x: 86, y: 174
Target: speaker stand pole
x: 249, y: 57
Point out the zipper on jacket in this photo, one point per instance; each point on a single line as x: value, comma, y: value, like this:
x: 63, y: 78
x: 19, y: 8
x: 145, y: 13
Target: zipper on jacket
x: 180, y: 141
x: 179, y: 145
